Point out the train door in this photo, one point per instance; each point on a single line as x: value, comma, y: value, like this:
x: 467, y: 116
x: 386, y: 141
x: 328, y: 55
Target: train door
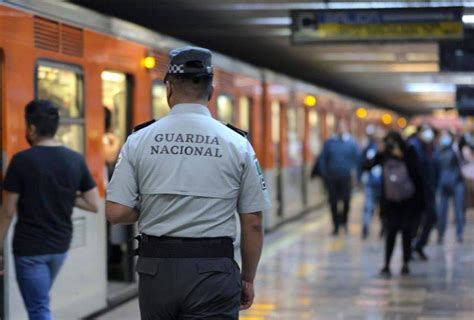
x: 116, y: 101
x: 314, y: 187
x: 276, y: 138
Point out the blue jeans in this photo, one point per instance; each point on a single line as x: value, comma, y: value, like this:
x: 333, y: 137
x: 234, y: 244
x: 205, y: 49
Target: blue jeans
x: 458, y: 198
x: 372, y: 198
x: 35, y: 276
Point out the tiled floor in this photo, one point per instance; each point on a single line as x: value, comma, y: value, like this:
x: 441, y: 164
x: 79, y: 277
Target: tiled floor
x: 307, y: 274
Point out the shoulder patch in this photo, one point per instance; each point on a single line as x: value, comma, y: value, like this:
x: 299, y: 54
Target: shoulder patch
x: 143, y: 125
x: 239, y: 131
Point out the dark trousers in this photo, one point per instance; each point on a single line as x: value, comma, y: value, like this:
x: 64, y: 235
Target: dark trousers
x: 398, y: 218
x: 427, y: 222
x: 339, y: 189
x: 188, y: 288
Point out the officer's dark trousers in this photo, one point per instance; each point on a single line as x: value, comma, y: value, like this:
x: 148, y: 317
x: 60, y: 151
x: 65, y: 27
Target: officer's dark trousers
x: 339, y: 189
x: 188, y: 288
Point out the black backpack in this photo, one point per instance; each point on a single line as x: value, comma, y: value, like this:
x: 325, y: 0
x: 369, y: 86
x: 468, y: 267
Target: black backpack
x: 398, y: 185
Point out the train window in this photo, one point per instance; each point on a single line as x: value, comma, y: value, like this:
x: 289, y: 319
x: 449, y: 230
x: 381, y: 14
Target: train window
x: 159, y: 102
x: 314, y: 137
x: 244, y: 113
x: 330, y: 122
x: 71, y: 135
x: 114, y: 98
x: 225, y: 109
x: 300, y: 118
x: 63, y: 85
x: 275, y: 122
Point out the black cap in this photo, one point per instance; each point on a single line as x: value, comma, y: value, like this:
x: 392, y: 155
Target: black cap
x: 190, y: 60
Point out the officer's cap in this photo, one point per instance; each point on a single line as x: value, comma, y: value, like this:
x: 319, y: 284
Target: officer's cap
x: 190, y: 61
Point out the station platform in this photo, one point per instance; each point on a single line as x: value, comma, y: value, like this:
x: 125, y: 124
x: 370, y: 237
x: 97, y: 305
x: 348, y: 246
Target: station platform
x: 305, y: 273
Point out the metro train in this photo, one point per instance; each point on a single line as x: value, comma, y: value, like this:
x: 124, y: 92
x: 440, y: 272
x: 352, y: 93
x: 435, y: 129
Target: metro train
x: 106, y: 76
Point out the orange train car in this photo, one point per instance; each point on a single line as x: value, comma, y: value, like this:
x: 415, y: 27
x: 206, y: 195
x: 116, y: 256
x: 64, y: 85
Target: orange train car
x: 106, y: 76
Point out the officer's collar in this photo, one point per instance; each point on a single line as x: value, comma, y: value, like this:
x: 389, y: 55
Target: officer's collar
x: 190, y: 108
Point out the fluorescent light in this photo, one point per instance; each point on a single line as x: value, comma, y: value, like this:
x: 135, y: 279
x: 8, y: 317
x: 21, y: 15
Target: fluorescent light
x: 469, y: 18
x: 361, y: 56
x: 421, y: 56
x: 283, y: 6
x: 430, y: 87
x: 270, y: 21
x: 387, y: 68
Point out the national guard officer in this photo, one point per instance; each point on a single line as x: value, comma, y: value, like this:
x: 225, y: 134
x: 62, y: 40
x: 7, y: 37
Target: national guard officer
x: 188, y: 173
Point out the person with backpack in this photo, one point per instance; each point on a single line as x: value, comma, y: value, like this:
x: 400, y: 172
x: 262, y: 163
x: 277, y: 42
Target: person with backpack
x: 401, y: 195
x: 450, y: 184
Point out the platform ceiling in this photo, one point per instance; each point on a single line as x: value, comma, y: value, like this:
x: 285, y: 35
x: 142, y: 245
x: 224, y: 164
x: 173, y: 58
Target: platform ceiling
x: 401, y: 76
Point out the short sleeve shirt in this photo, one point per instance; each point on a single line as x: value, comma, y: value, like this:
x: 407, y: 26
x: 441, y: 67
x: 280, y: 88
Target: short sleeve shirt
x: 47, y: 180
x: 188, y: 174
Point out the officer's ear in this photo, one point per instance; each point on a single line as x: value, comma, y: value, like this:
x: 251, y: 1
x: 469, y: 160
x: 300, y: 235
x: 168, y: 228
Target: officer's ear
x: 211, y: 94
x: 169, y: 90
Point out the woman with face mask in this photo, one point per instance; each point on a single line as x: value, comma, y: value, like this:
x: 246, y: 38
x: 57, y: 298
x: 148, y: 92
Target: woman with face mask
x: 449, y: 185
x: 402, y: 196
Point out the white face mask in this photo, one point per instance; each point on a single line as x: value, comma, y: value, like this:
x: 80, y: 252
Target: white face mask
x: 427, y: 136
x: 445, y: 140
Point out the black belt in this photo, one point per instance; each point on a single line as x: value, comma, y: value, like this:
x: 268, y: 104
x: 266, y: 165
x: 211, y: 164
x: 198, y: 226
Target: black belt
x: 174, y: 247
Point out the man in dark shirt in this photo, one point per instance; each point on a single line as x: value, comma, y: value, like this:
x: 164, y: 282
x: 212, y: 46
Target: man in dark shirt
x: 43, y: 184
x: 338, y: 161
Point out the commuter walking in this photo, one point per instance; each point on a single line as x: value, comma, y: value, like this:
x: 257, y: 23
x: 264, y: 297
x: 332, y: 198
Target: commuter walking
x: 42, y: 185
x: 402, y: 195
x: 188, y: 173
x: 371, y: 179
x: 423, y: 146
x: 466, y: 148
x: 339, y: 159
x: 450, y: 184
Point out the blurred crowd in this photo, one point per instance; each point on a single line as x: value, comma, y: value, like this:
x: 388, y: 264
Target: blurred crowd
x: 409, y: 177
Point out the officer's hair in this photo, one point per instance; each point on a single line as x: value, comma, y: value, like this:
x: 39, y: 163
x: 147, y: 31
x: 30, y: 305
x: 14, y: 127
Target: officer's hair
x: 198, y: 87
x: 44, y: 116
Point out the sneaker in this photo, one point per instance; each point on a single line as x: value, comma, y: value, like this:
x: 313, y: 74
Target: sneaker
x: 385, y: 272
x: 405, y: 270
x: 421, y: 254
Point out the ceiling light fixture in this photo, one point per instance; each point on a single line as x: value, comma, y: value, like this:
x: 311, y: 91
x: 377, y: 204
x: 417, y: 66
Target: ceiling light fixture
x: 430, y: 87
x: 468, y: 18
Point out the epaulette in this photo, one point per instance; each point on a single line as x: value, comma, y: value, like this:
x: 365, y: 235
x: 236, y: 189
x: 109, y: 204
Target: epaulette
x: 239, y: 131
x: 143, y: 125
